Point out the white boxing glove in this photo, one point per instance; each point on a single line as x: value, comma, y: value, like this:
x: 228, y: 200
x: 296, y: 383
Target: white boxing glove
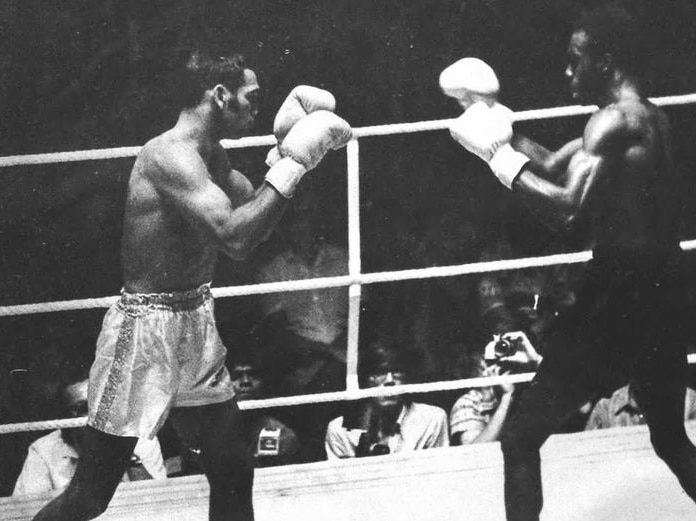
x: 487, y: 131
x: 304, y: 146
x: 470, y: 80
x: 302, y: 100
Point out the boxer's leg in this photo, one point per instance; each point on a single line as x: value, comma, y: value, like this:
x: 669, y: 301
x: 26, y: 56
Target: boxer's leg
x: 103, y: 460
x: 220, y: 432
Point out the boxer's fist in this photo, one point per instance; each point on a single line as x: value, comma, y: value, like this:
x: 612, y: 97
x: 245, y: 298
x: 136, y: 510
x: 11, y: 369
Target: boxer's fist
x: 301, y: 101
x: 487, y: 131
x: 304, y: 146
x: 470, y: 80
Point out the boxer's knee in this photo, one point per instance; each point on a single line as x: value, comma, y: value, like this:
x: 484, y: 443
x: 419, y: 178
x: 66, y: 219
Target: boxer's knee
x: 86, y: 502
x: 670, y: 446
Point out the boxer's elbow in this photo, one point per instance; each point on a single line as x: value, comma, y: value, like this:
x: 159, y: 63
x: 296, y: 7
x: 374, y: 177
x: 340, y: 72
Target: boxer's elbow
x: 567, y: 216
x: 233, y: 241
x: 238, y: 248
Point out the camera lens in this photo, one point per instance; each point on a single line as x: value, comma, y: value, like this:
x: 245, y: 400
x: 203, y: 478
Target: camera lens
x: 504, y: 347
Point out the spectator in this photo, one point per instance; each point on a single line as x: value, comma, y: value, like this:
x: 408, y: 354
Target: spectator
x: 622, y: 409
x: 386, y: 424
x: 271, y: 441
x: 309, y: 325
x: 479, y: 415
x: 52, y: 459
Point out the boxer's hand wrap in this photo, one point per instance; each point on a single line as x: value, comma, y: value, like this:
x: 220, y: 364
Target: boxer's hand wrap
x: 304, y: 146
x: 285, y: 175
x: 487, y: 131
x: 302, y: 100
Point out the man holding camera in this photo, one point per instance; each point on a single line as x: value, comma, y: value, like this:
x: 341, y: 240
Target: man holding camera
x: 385, y: 424
x: 479, y: 414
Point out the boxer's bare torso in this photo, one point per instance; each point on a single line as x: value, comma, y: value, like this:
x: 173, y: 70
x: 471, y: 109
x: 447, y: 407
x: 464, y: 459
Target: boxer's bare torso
x: 163, y: 247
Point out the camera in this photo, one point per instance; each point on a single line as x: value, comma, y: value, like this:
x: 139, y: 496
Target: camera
x: 501, y: 347
x: 268, y: 442
x: 506, y: 347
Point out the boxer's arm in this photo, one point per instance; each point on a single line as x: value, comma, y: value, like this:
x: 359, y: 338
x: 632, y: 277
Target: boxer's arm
x: 559, y: 204
x: 544, y: 162
x: 183, y: 179
x: 235, y: 184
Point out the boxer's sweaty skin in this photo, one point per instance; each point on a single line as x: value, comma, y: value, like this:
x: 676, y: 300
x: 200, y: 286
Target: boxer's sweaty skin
x: 185, y: 205
x: 620, y: 172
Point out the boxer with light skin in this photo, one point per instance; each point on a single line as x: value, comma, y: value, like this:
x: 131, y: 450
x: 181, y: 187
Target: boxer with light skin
x: 625, y: 323
x: 159, y: 353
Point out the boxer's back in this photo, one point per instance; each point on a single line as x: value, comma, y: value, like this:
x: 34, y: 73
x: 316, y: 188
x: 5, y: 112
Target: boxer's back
x: 162, y: 250
x: 634, y: 205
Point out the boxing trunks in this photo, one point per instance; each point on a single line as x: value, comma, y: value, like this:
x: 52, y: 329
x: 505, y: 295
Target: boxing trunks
x: 626, y: 320
x: 154, y: 352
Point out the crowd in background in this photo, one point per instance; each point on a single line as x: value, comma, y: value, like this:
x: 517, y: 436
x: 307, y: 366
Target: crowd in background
x: 424, y: 202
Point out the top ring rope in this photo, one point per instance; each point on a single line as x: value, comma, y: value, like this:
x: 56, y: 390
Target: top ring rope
x: 333, y: 282
x: 377, y: 130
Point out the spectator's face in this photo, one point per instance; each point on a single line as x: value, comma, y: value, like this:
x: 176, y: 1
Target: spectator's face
x: 76, y: 399
x: 387, y: 378
x: 246, y: 382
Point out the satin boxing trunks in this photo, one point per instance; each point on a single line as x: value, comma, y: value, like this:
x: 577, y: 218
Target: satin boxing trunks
x: 156, y: 351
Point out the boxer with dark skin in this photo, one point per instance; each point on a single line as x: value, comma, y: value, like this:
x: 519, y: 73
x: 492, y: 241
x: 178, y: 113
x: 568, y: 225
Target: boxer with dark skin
x: 159, y: 354
x: 625, y: 324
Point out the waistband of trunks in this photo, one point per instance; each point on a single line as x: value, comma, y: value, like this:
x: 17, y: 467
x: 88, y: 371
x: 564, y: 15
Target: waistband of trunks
x: 175, y: 301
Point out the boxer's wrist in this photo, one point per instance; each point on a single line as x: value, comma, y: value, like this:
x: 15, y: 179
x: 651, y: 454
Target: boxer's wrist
x: 273, y: 156
x: 507, y: 164
x: 284, y: 176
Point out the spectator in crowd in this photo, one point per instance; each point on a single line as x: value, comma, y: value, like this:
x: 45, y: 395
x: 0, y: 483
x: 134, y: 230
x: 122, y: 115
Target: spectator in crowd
x: 479, y: 415
x: 52, y: 459
x: 622, y: 410
x: 309, y: 326
x: 271, y: 441
x: 491, y: 287
x: 387, y: 424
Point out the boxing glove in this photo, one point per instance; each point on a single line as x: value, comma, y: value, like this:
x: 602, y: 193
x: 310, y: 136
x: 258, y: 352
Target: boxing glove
x: 470, y: 80
x: 302, y: 100
x: 487, y: 131
x: 304, y: 146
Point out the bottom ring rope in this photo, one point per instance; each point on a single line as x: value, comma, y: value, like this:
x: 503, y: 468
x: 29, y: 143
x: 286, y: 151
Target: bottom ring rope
x: 308, y: 399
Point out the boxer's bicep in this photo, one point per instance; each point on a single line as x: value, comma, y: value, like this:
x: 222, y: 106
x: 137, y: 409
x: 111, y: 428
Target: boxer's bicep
x: 601, y: 149
x: 236, y: 185
x: 185, y: 183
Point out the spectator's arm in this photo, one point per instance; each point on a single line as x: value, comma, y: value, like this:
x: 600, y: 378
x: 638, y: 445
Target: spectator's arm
x: 598, y: 416
x: 469, y: 416
x: 337, y: 441
x: 491, y: 431
x: 690, y: 404
x: 35, y: 477
x: 438, y: 436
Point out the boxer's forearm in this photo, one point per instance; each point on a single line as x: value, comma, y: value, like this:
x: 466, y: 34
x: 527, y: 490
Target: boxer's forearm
x: 545, y: 163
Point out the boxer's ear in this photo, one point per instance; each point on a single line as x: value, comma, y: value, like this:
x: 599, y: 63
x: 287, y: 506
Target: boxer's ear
x: 605, y: 64
x: 221, y: 95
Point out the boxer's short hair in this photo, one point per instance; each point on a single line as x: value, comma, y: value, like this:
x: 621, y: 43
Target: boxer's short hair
x: 615, y: 31
x: 203, y: 71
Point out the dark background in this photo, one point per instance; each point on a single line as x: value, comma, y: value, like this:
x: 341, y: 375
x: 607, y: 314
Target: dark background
x: 82, y: 74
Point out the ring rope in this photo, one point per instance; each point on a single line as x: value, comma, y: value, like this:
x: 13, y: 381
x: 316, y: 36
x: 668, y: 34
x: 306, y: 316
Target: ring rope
x: 269, y: 140
x: 333, y: 282
x: 288, y: 401
x: 354, y: 280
